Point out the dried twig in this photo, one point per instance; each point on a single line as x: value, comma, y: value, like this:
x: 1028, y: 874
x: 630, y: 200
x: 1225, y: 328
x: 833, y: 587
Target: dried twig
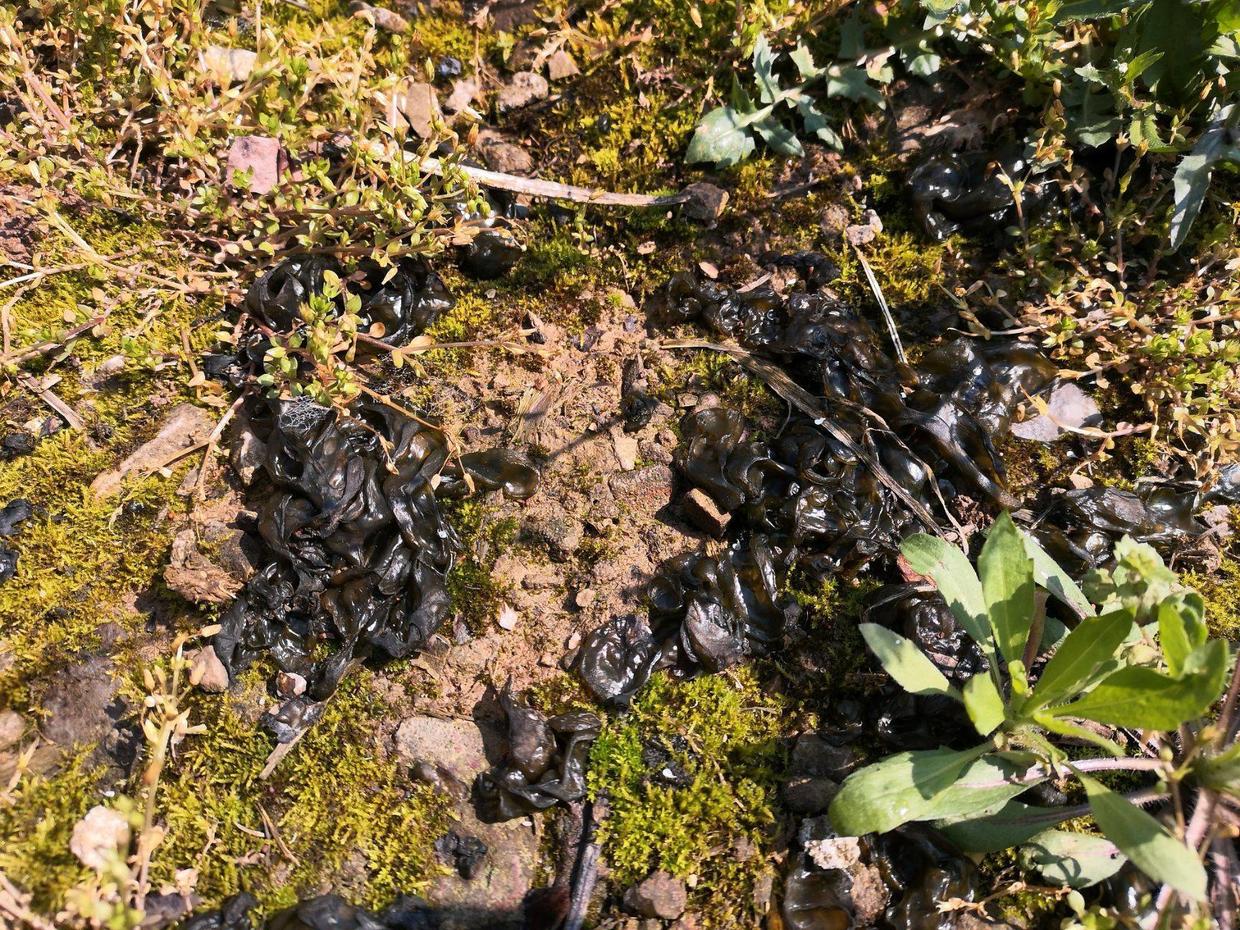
x: 45, y: 393
x: 882, y: 305
x: 555, y: 191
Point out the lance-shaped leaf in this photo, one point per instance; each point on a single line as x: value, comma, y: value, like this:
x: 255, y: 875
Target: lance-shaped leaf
x: 1145, y: 699
x: 904, y: 662
x: 1048, y: 574
x: 989, y: 781
x: 984, y: 703
x: 1192, y: 175
x: 898, y: 790
x: 1077, y: 860
x: 1007, y: 585
x: 1002, y: 827
x: 954, y: 576
x: 1145, y: 841
x: 1092, y: 642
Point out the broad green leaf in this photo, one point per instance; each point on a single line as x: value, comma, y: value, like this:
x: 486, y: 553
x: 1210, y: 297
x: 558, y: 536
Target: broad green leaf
x: 778, y: 137
x: 904, y: 662
x: 1145, y: 699
x: 851, y: 82
x: 953, y: 575
x: 1002, y: 827
x: 1077, y: 860
x: 1055, y: 580
x: 1192, y: 175
x: 984, y: 784
x: 1007, y: 585
x: 764, y: 70
x: 721, y: 137
x: 742, y: 103
x: 1145, y: 841
x: 1092, y: 642
x: 984, y: 704
x: 899, y: 789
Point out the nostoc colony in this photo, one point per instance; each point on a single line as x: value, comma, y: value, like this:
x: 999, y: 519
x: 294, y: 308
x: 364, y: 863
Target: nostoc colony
x: 12, y: 515
x: 972, y: 193
x: 811, y: 496
x: 357, y: 545
x: 545, y: 763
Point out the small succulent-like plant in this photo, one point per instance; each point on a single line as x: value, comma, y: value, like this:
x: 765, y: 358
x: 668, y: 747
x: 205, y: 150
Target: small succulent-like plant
x: 1137, y: 656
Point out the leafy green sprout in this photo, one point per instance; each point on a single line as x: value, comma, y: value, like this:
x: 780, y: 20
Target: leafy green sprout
x: 1141, y: 659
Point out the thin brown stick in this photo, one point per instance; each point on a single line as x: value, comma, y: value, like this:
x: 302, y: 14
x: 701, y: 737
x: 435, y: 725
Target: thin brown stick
x: 552, y: 190
x: 49, y: 397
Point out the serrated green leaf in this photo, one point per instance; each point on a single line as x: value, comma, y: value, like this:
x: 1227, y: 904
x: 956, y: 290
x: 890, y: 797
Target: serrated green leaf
x: 1146, y: 699
x: 1192, y: 175
x: 804, y: 62
x: 851, y: 82
x: 897, y: 790
x: 1089, y: 645
x: 1141, y: 63
x: 778, y: 137
x: 741, y: 102
x: 1145, y: 841
x: 816, y: 123
x: 952, y: 574
x: 904, y: 662
x: 764, y: 70
x: 1077, y: 860
x: 722, y: 137
x: 1007, y: 585
x: 1054, y: 579
x: 984, y: 703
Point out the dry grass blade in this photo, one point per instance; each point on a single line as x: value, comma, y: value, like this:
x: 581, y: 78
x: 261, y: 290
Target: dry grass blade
x: 882, y: 305
x: 555, y: 191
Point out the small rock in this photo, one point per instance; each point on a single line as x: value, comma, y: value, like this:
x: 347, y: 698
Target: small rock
x: 866, y: 231
x: 500, y: 881
x: 383, y: 19
x: 448, y: 67
x: 97, y: 836
x: 585, y: 597
x: 701, y: 510
x: 706, y: 202
x: 503, y: 155
x: 813, y: 755
x: 290, y: 684
x: 560, y: 534
x: 450, y: 751
x: 12, y: 726
x: 834, y: 221
x: 837, y: 852
x: 507, y: 618
x: 525, y: 88
x: 561, y: 65
x: 248, y: 455
x: 644, y: 490
x: 225, y: 66
x: 261, y: 156
x: 809, y: 794
x: 463, y: 93
x: 625, y: 446
x: 660, y: 895
x: 186, y: 426
x: 416, y: 103
x: 1066, y: 406
x: 214, y: 677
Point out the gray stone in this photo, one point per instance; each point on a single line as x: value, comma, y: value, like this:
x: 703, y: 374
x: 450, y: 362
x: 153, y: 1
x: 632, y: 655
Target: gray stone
x: 186, y: 426
x: 502, y: 154
x: 866, y: 231
x: 701, y: 510
x: 451, y: 752
x: 559, y: 533
x: 384, y: 19
x: 706, y: 202
x: 525, y: 88
x: 813, y: 755
x: 247, y: 455
x: 809, y: 794
x: 1066, y: 406
x: 504, y: 878
x: 644, y: 490
x: 12, y: 725
x: 660, y: 895
x: 214, y: 677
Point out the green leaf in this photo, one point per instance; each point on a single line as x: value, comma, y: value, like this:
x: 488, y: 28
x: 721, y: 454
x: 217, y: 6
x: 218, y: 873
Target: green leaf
x: 904, y: 662
x: 1062, y: 727
x: 953, y: 575
x: 1145, y: 841
x: 1092, y: 642
x: 989, y: 781
x: 1077, y: 860
x: 1092, y: 9
x: 778, y: 137
x: 1007, y: 585
x: 1222, y: 771
x: 721, y: 137
x: 1055, y: 580
x: 816, y: 123
x: 851, y: 82
x: 804, y: 61
x: 764, y: 70
x: 1141, y: 63
x: 742, y: 103
x: 1181, y: 628
x: 984, y: 704
x: 899, y: 789
x: 1145, y: 699
x: 1192, y: 175
x: 1002, y: 827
